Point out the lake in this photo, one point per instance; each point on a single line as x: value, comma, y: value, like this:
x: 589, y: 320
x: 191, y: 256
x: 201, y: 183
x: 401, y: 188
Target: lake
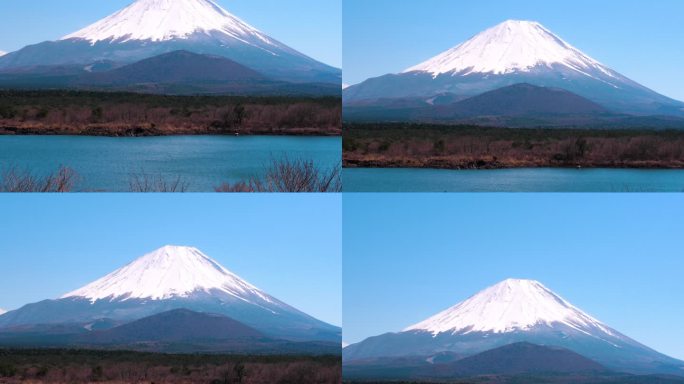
x: 512, y: 180
x: 203, y: 162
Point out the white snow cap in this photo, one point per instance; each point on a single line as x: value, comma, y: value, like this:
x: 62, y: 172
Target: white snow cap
x: 2, y: 311
x: 2, y: 53
x: 512, y: 305
x: 512, y: 46
x: 168, y: 272
x: 160, y: 20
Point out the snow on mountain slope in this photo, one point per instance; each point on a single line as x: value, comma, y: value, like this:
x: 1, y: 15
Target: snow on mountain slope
x: 2, y: 311
x: 169, y: 272
x: 2, y: 53
x: 510, y: 47
x: 161, y: 20
x: 512, y: 305
x: 515, y: 311
x: 149, y: 28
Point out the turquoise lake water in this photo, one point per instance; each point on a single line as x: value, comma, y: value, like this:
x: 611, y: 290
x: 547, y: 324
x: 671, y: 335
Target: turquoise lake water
x: 512, y: 180
x: 203, y: 162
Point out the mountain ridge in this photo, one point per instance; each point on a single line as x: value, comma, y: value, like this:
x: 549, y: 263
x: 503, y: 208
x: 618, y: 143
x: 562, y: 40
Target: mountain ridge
x: 169, y: 278
x: 517, y: 359
x: 523, y: 45
x: 174, y: 331
x: 511, y: 305
x: 510, y: 312
x: 148, y: 28
x: 157, y: 275
x: 159, y: 20
x: 509, y: 53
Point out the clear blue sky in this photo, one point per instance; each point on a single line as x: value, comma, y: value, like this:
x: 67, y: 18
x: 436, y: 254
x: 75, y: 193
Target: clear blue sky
x: 287, y: 245
x: 642, y: 40
x: 617, y: 257
x: 313, y: 27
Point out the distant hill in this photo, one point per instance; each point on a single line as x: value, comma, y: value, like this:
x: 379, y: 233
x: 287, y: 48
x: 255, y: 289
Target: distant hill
x: 176, y: 73
x: 517, y: 358
x: 520, y: 105
x: 179, y: 325
x: 520, y: 363
x: 520, y: 100
x: 177, y: 67
x: 175, y: 331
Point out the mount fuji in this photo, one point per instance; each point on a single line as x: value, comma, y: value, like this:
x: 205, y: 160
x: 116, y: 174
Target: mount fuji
x: 148, y: 28
x: 513, y: 311
x: 171, y: 278
x: 510, y: 53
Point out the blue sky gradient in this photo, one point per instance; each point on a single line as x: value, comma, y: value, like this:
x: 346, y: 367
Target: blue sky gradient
x: 287, y: 245
x: 617, y: 257
x: 640, y: 39
x: 312, y: 27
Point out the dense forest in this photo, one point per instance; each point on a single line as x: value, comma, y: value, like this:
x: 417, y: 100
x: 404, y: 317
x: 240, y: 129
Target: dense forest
x: 82, y: 366
x: 132, y: 114
x: 473, y: 147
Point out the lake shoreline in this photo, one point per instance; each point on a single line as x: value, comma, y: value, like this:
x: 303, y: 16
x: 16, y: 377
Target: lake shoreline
x: 193, y: 163
x: 81, y: 113
x: 138, y: 131
x: 527, y: 180
x: 396, y: 145
x: 490, y: 164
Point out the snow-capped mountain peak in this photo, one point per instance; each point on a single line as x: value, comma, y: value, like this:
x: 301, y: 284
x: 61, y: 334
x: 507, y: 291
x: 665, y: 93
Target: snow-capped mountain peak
x: 2, y: 53
x: 161, y: 20
x: 2, y: 311
x: 509, y: 306
x: 168, y: 272
x: 509, y: 47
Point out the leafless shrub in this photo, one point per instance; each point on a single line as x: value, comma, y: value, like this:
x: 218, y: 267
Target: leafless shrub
x: 240, y: 186
x: 16, y: 180
x: 287, y: 175
x: 146, y: 183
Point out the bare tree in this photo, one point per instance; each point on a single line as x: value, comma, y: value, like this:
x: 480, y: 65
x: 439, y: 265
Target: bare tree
x: 287, y: 175
x: 146, y: 183
x: 15, y: 180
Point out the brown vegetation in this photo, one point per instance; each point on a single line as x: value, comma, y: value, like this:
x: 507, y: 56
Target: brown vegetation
x: 145, y: 183
x: 469, y: 147
x: 61, y: 366
x: 15, y: 180
x: 282, y: 175
x: 290, y: 176
x: 121, y: 114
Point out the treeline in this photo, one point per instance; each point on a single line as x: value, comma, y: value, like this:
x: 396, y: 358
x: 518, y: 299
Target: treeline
x: 131, y: 114
x: 472, y: 147
x: 82, y: 366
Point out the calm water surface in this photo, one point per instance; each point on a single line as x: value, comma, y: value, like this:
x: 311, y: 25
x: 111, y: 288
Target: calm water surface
x: 513, y: 180
x: 204, y: 162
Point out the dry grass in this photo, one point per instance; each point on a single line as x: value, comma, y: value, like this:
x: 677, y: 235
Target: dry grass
x: 283, y: 175
x: 15, y: 180
x: 116, y: 114
x: 476, y: 147
x: 291, y: 176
